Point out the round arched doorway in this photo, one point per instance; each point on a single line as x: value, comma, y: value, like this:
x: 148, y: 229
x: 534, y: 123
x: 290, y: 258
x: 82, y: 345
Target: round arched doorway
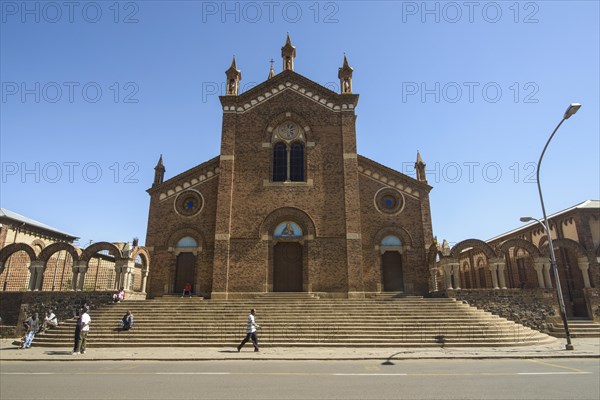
x: 287, y: 258
x: 185, y: 267
x: 391, y: 264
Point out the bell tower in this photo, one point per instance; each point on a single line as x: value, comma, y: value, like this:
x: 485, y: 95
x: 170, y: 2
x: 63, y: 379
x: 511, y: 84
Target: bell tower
x: 159, y: 172
x: 420, y: 168
x: 234, y: 76
x: 288, y: 53
x: 345, y: 76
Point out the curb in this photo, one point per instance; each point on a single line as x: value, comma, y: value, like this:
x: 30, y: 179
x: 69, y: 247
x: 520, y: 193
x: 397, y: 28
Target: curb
x: 302, y: 359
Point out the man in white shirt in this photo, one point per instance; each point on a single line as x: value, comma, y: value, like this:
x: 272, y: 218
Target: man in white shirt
x: 49, y: 321
x: 85, y: 329
x: 251, y: 328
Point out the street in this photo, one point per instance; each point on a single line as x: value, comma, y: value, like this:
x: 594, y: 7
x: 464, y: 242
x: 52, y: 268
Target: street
x: 255, y: 379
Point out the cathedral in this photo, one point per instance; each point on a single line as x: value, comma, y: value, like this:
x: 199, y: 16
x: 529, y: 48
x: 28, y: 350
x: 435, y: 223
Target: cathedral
x: 289, y: 205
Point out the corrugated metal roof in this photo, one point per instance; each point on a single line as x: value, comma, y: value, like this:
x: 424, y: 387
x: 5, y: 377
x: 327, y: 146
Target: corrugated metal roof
x: 585, y: 204
x: 20, y: 218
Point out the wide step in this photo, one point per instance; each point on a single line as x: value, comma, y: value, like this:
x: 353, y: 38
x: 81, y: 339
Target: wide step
x: 299, y: 320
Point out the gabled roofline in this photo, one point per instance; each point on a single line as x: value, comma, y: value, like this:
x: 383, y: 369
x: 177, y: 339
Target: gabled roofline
x: 173, y: 179
x: 392, y: 171
x: 582, y: 205
x: 282, y: 76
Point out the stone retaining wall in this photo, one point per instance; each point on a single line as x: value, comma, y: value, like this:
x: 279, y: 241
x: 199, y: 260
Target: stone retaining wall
x: 592, y: 299
x: 533, y: 308
x: 15, y: 305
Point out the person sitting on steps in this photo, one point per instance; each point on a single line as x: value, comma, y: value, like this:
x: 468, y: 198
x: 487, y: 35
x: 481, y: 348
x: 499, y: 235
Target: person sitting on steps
x: 127, y: 321
x: 187, y: 288
x: 119, y: 296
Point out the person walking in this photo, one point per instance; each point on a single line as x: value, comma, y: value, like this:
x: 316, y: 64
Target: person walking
x: 84, y: 325
x: 251, y: 327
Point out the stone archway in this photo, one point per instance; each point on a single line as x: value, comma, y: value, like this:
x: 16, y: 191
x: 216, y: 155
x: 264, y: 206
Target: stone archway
x: 474, y: 243
x: 519, y: 255
x: 185, y: 264
x: 16, y: 267
x: 58, y: 260
x: 281, y: 253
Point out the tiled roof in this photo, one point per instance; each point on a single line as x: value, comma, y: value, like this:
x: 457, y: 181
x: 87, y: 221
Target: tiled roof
x: 586, y: 204
x: 4, y: 213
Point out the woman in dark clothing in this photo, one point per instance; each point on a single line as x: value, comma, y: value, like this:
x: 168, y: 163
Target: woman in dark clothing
x: 77, y: 329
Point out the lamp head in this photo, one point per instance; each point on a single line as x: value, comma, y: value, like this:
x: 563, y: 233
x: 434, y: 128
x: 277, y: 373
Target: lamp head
x: 573, y: 108
x: 525, y: 219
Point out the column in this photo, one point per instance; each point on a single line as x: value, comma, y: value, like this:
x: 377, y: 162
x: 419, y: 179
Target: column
x: 501, y: 278
x: 447, y: 273
x: 83, y: 267
x: 456, y: 273
x: 128, y: 278
x: 39, y: 274
x: 75, y: 276
x: 32, y: 275
x: 432, y: 281
x: 493, y: 269
x: 584, y: 266
x: 118, y: 275
x: 144, y: 280
x: 538, y: 265
x: 547, y: 276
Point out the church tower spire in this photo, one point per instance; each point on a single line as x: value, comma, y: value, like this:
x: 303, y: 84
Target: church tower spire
x: 234, y: 76
x: 272, y: 70
x: 288, y: 53
x: 159, y: 172
x: 420, y: 168
x: 345, y: 75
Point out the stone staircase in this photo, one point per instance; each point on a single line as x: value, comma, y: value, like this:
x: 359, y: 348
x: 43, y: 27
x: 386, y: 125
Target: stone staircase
x: 296, y: 320
x: 579, y: 328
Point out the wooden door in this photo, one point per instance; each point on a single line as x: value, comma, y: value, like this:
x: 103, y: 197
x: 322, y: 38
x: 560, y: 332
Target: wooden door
x: 391, y: 265
x: 287, y: 267
x: 184, y: 271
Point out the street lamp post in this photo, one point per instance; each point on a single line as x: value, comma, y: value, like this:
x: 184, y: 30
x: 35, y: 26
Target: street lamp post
x: 573, y: 108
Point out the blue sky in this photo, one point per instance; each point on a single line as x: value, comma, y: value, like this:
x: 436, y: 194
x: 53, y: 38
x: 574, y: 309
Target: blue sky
x: 93, y: 92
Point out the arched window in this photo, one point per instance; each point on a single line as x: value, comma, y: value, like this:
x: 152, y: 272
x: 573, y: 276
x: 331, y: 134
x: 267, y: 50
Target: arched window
x: 288, y: 153
x: 279, y: 163
x: 297, y: 162
x: 391, y: 240
x: 186, y: 243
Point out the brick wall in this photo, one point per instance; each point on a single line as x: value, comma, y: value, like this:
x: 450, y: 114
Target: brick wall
x: 235, y: 226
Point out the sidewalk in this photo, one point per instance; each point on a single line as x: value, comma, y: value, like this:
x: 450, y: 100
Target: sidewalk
x: 584, y: 348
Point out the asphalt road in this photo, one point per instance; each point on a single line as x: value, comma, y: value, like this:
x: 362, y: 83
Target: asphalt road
x: 406, y: 379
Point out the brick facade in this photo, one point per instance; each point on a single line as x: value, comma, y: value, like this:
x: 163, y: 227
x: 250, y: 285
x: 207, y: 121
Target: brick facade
x: 334, y: 205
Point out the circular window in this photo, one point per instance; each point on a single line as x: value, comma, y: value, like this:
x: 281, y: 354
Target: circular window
x: 288, y: 130
x: 389, y: 201
x: 189, y: 203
